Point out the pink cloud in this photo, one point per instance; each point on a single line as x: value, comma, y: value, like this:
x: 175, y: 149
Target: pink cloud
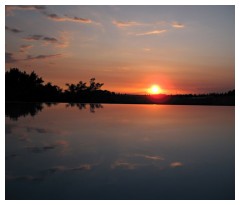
x: 155, y: 32
x: 176, y: 164
x: 177, y: 25
x: 122, y: 24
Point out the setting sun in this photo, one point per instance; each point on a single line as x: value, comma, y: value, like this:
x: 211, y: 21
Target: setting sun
x: 154, y: 89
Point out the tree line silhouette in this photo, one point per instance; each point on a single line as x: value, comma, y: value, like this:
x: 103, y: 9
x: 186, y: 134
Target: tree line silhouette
x: 23, y: 87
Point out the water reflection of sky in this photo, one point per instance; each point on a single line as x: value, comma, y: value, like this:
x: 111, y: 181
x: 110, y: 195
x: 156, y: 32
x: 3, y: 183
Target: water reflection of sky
x: 121, y: 152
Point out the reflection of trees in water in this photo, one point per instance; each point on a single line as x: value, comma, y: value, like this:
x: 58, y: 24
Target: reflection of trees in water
x: 16, y: 110
x: 49, y: 104
x: 81, y: 106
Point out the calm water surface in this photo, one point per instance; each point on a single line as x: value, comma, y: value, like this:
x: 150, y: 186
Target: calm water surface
x: 108, y: 151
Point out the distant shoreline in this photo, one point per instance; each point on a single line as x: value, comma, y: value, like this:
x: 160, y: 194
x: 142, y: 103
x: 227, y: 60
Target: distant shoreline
x: 149, y: 100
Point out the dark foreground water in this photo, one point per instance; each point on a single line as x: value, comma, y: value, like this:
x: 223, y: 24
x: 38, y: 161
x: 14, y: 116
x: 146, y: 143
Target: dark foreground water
x: 119, y: 152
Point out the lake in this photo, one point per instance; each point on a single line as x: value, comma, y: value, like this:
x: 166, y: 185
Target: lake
x: 115, y: 151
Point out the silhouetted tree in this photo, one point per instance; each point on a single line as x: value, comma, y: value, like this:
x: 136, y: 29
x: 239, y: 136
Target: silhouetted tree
x: 29, y: 87
x: 231, y: 93
x: 84, y: 92
x: 71, y: 88
x: 94, y: 86
x: 51, y: 92
x: 22, y: 86
x: 81, y: 86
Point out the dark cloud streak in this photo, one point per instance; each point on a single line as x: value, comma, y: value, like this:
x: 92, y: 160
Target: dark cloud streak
x: 30, y: 7
x: 33, y: 37
x: 77, y: 19
x: 49, y: 39
x: 10, y: 59
x: 13, y: 30
x: 38, y: 37
x: 53, y: 17
x: 41, y: 57
x: 56, y: 17
x: 10, y: 9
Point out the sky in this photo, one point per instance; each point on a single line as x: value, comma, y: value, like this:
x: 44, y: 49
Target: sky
x: 182, y: 49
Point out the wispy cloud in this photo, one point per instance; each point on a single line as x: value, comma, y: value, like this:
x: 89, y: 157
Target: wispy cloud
x: 158, y: 27
x: 123, y: 24
x: 41, y: 57
x: 155, y: 32
x: 23, y: 178
x: 80, y: 20
x: 77, y: 19
x: 13, y: 30
x: 33, y: 37
x: 177, y: 25
x: 41, y: 37
x: 151, y: 157
x: 123, y: 164
x: 62, y: 41
x: 10, y: 9
x: 81, y: 167
x: 56, y: 17
x: 50, y: 39
x: 25, y: 48
x: 9, y: 58
x: 45, y: 39
x: 176, y: 164
x: 26, y: 7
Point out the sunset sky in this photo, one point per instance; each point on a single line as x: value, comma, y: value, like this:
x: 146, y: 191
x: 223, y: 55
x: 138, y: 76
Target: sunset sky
x: 182, y: 49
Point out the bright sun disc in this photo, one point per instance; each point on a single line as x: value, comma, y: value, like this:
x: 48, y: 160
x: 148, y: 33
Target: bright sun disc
x: 155, y: 89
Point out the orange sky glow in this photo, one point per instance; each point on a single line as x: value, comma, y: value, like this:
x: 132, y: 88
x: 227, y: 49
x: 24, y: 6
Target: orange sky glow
x: 182, y: 49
